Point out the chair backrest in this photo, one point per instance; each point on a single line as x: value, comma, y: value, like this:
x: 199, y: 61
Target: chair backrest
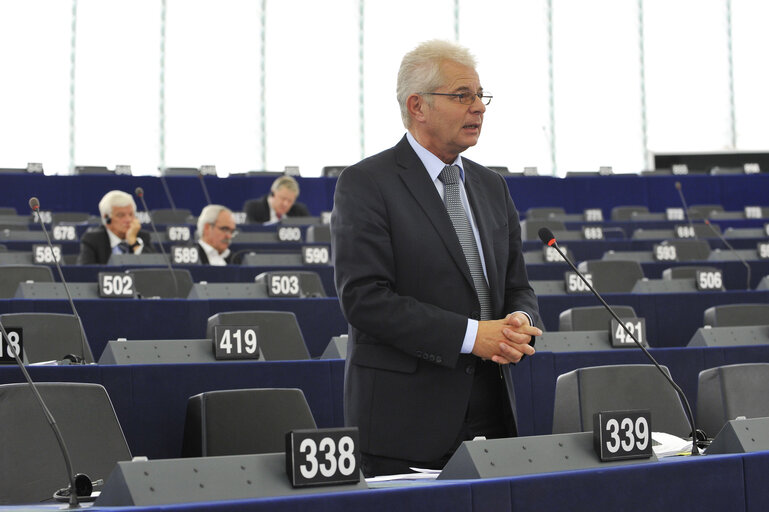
x: 625, y: 212
x: 333, y: 170
x: 171, y: 216
x: 32, y: 467
x: 73, y: 217
x: 530, y: 227
x: 591, y: 318
x: 691, y: 250
x: 703, y: 211
x: 613, y: 276
x: 686, y: 271
x: 726, y: 392
x: 92, y: 169
x: 158, y: 282
x: 319, y: 233
x: 49, y: 336
x: 582, y: 392
x: 279, y: 336
x: 12, y: 275
x: 243, y: 421
x: 544, y: 212
x: 731, y: 315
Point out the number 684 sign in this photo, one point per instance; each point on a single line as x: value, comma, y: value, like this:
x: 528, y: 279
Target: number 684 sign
x: 322, y: 457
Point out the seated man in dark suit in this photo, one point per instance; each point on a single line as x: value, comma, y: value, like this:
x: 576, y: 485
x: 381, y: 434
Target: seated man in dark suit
x: 216, y: 228
x: 280, y: 202
x: 120, y: 232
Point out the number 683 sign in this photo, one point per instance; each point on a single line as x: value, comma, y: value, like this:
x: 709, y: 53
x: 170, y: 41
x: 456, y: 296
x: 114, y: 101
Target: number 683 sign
x: 322, y: 457
x: 619, y: 435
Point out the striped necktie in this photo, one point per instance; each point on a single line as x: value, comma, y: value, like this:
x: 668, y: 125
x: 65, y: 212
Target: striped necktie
x: 450, y: 178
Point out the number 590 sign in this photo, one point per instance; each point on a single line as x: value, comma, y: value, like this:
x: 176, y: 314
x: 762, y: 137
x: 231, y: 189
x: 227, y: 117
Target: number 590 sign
x: 322, y: 457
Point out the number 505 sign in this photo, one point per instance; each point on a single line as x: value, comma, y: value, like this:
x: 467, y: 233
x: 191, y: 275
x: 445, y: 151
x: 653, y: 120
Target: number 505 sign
x: 322, y: 457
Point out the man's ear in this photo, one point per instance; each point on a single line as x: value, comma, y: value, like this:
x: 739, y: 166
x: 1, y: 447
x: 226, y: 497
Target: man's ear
x: 416, y: 107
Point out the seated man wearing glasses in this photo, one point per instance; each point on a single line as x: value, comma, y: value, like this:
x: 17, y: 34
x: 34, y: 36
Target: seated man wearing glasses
x: 216, y: 228
x: 120, y: 232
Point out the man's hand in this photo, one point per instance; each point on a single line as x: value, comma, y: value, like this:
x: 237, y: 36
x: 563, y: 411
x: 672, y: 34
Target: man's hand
x: 505, y: 341
x: 133, y: 231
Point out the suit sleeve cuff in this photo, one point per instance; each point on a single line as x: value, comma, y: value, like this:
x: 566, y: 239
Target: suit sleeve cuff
x: 470, y: 334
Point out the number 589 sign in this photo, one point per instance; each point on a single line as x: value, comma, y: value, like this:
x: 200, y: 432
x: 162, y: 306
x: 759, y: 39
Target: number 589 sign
x: 322, y: 457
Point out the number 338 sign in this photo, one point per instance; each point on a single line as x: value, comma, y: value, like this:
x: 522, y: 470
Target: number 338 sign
x: 322, y: 457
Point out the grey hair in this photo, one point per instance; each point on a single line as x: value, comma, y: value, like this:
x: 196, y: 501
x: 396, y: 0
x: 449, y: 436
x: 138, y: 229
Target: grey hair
x: 114, y: 199
x: 420, y: 70
x: 208, y: 215
x: 285, y: 182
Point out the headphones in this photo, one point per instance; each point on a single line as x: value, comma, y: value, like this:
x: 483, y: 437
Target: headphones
x: 107, y: 219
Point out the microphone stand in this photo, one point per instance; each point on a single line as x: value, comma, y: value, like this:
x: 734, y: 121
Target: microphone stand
x: 547, y: 237
x: 35, y: 205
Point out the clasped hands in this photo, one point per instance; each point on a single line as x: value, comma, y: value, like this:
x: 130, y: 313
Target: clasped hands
x: 505, y: 341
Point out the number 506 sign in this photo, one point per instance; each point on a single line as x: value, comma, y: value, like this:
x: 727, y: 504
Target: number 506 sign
x: 322, y: 457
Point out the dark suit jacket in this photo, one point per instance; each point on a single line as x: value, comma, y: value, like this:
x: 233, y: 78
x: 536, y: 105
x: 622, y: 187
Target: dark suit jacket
x: 406, y: 291
x: 204, y: 256
x: 95, y: 248
x: 258, y: 210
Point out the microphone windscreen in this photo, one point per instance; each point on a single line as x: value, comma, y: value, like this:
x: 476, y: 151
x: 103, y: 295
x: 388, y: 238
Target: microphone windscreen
x: 139, y: 191
x: 34, y: 203
x: 546, y: 236
x: 678, y: 185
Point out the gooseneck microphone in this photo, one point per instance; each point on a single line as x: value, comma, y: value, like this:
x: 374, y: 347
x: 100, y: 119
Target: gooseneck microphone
x: 548, y: 238
x: 80, y: 485
x: 35, y: 205
x: 686, y: 208
x: 729, y: 246
x: 140, y: 194
x: 205, y: 188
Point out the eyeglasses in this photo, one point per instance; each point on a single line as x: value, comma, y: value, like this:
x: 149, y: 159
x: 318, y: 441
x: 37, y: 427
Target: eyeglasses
x: 465, y: 98
x: 227, y: 231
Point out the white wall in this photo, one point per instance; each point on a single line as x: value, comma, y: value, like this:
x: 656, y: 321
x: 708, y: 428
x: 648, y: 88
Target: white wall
x: 311, y: 114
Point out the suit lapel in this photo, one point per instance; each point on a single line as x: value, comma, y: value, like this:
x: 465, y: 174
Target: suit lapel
x: 417, y: 181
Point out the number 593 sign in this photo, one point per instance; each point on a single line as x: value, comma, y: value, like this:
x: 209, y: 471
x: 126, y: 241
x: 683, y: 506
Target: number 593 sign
x: 619, y: 435
x: 322, y: 456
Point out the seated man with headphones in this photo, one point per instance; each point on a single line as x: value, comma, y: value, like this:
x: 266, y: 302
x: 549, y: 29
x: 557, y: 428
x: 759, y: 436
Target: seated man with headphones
x: 280, y: 202
x: 120, y: 232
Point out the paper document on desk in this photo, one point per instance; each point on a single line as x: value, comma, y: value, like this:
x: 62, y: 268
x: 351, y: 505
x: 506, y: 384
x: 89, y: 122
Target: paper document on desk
x: 668, y: 445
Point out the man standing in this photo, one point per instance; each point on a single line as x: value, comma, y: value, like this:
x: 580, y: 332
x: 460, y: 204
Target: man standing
x: 216, y: 228
x: 120, y: 232
x: 280, y: 202
x: 430, y: 276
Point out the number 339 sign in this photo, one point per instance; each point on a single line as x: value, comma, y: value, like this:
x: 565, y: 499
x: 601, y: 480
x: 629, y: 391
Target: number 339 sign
x: 322, y: 457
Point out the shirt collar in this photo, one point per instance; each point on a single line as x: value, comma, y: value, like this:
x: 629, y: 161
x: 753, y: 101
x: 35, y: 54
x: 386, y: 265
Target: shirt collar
x: 432, y: 163
x: 210, y: 251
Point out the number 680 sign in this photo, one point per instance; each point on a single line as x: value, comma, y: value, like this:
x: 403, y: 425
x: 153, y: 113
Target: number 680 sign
x: 322, y: 457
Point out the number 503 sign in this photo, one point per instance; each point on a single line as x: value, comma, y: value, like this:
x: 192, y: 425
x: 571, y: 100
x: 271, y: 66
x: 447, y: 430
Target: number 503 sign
x: 322, y: 457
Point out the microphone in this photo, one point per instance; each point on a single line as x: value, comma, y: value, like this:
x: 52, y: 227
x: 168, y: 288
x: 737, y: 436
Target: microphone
x: 80, y: 483
x: 140, y: 194
x: 686, y: 208
x: 729, y: 246
x: 548, y: 238
x: 205, y: 188
x: 167, y: 191
x: 34, y: 204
